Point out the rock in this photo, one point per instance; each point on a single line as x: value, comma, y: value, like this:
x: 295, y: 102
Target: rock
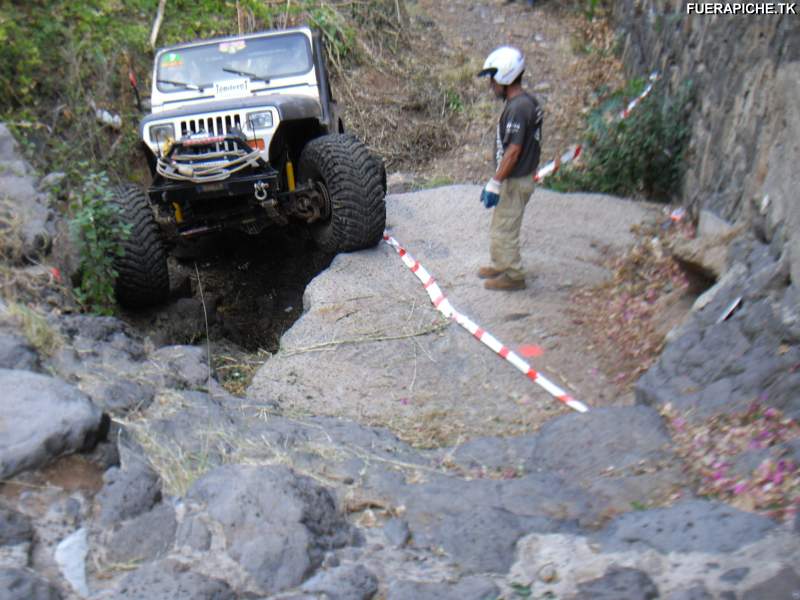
x: 143, y: 538
x: 477, y: 523
x: 43, y: 418
x: 619, y: 455
x: 181, y: 367
x: 277, y: 525
x: 17, y: 353
x: 710, y: 225
x: 396, y: 532
x: 15, y: 528
x: 688, y: 526
x: 697, y: 592
x: 119, y: 397
x: 705, y: 256
x: 352, y: 582
x: 25, y: 584
x: 70, y: 556
x: 784, y: 585
x: 493, y: 453
x: 128, y: 492
x: 170, y: 579
x: 23, y: 206
x: 734, y: 576
x: 619, y: 584
x: 754, y: 355
x: 469, y: 588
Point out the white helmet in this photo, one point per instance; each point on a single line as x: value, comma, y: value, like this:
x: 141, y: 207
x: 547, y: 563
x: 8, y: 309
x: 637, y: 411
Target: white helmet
x: 504, y: 64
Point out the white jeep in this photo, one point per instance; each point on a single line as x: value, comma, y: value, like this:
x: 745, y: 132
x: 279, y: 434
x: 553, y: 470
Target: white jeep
x: 244, y: 134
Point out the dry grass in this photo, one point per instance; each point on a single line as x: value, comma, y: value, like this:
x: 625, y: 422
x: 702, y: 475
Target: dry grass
x: 40, y: 334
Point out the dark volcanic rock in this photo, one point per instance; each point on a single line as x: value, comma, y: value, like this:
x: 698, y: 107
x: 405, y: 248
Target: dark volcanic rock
x: 16, y: 353
x: 24, y: 584
x: 619, y: 455
x: 697, y: 592
x: 784, y: 585
x: 469, y: 588
x: 352, y: 582
x: 689, y: 526
x: 128, y: 492
x: 168, y: 579
x: 43, y: 418
x: 619, y: 584
x: 15, y: 528
x: 277, y: 525
x: 143, y: 538
x: 716, y: 366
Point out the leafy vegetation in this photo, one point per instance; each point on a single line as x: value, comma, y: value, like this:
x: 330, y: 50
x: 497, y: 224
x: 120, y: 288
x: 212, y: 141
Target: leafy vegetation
x: 97, y: 231
x: 642, y: 155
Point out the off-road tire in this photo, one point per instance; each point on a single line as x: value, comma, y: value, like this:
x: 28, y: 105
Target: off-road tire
x: 354, y: 182
x: 142, y: 275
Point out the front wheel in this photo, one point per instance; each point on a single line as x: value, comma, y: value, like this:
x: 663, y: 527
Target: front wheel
x: 352, y: 180
x: 142, y: 275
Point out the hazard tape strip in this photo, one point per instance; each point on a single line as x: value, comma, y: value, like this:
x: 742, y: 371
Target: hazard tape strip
x: 443, y: 305
x: 553, y: 166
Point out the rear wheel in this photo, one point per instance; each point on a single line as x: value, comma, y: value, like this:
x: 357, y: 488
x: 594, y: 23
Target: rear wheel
x: 142, y: 275
x: 353, y: 183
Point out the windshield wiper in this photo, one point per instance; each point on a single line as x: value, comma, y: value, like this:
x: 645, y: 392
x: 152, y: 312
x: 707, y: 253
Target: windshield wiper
x: 183, y: 84
x: 246, y: 74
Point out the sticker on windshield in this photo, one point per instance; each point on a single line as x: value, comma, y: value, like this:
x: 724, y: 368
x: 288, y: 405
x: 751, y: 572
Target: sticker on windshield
x: 171, y: 60
x: 232, y: 47
x: 231, y: 88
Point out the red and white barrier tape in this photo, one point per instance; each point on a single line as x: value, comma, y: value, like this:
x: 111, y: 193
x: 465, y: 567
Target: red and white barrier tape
x: 442, y: 304
x: 632, y: 104
x: 553, y: 166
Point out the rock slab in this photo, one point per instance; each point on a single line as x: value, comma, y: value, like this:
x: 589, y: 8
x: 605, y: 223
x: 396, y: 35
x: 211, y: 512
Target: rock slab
x: 42, y: 418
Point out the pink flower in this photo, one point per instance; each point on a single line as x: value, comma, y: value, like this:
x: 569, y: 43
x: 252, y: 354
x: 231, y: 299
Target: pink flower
x: 740, y: 488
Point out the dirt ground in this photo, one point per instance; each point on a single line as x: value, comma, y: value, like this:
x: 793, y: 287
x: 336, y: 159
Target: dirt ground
x: 422, y: 108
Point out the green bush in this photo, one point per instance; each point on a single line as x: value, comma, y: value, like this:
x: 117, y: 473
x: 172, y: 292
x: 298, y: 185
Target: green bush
x: 642, y: 155
x: 97, y: 232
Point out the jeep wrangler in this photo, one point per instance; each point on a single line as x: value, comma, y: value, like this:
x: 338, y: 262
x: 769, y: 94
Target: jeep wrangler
x: 244, y: 135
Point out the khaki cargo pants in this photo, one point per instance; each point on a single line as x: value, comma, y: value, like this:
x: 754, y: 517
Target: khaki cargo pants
x: 506, y: 223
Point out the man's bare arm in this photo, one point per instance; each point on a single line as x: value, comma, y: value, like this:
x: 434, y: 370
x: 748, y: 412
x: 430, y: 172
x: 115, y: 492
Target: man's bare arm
x: 509, y: 161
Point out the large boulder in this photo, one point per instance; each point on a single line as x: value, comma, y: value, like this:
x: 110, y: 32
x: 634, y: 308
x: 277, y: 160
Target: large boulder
x: 274, y: 525
x: 43, y: 418
x: 742, y: 343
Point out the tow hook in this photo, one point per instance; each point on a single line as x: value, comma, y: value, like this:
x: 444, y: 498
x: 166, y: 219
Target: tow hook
x: 260, y: 190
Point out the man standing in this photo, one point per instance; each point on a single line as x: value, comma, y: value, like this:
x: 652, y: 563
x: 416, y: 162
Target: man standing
x: 517, y: 149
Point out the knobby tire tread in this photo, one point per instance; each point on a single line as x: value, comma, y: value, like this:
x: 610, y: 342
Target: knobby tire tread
x: 353, y: 178
x: 142, y: 273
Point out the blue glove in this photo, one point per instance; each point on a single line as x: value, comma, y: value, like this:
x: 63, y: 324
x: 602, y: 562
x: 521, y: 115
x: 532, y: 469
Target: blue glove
x: 490, y: 195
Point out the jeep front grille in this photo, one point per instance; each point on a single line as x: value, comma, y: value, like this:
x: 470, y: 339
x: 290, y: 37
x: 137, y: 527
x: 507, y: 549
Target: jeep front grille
x: 219, y: 125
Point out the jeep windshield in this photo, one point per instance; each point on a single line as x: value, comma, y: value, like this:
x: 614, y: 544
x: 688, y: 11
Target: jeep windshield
x: 222, y: 64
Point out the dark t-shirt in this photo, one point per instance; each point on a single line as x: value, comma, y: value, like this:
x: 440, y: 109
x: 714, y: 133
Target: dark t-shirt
x: 520, y: 123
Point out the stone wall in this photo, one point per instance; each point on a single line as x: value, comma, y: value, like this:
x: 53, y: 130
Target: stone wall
x: 745, y: 144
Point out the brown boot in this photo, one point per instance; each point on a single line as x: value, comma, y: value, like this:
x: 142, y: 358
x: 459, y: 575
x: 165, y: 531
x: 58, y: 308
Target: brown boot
x: 489, y: 272
x: 504, y: 283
